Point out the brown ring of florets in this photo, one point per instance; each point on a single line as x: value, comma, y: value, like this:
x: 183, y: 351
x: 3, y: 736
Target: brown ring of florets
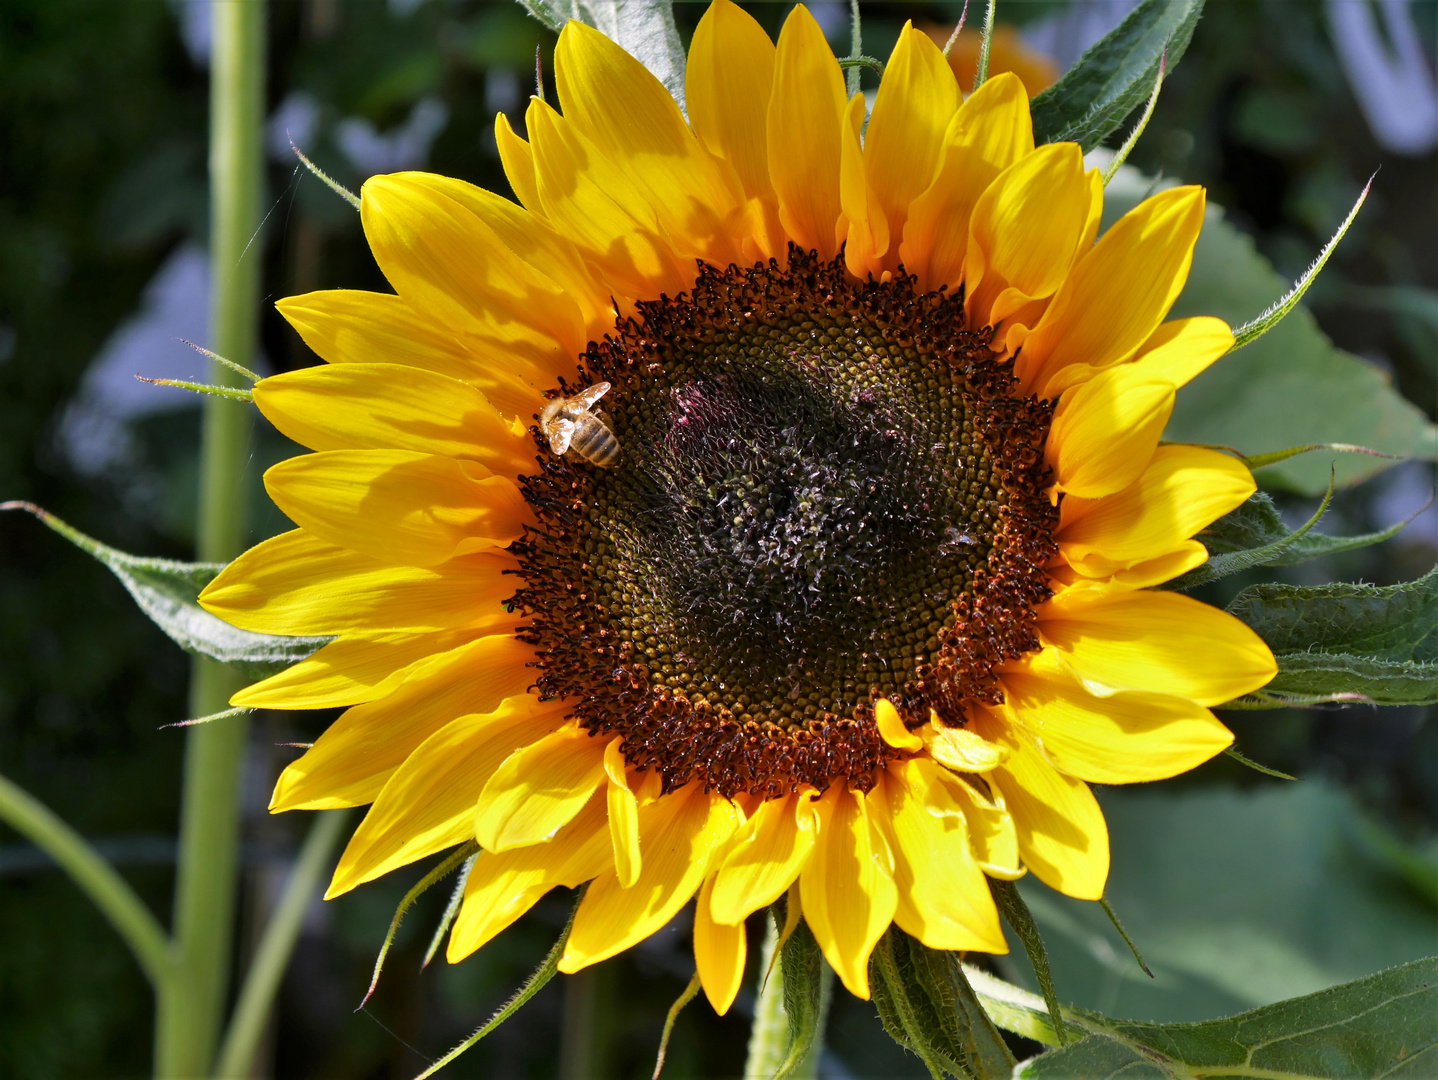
x: 585, y: 655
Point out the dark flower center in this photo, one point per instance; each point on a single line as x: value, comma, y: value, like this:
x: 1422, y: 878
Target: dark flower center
x: 826, y: 494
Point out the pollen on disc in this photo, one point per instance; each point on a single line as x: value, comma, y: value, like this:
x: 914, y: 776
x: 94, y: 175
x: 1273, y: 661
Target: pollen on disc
x: 828, y: 494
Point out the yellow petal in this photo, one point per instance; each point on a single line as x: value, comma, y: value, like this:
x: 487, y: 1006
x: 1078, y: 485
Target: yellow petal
x: 1124, y: 738
x: 350, y: 762
x: 1025, y: 232
x: 1117, y: 294
x: 295, y: 583
x: 992, y: 837
x: 353, y: 670
x: 397, y: 505
x: 726, y: 87
x: 1183, y: 489
x: 769, y: 851
x: 589, y: 200
x: 960, y: 748
x: 1115, y: 639
x: 351, y: 326
x: 448, y: 263
x: 502, y: 887
x: 990, y: 131
x: 1061, y: 831
x: 1142, y: 574
x: 623, y: 815
x: 867, y: 229
x: 719, y: 953
x: 847, y: 886
x: 943, y: 896
x: 678, y: 834
x: 917, y: 98
x: 388, y: 407
x: 1104, y: 432
x: 892, y: 729
x: 1180, y: 349
x: 517, y: 156
x: 805, y: 111
x: 428, y: 804
x: 539, y: 789
x: 615, y: 103
x: 529, y: 238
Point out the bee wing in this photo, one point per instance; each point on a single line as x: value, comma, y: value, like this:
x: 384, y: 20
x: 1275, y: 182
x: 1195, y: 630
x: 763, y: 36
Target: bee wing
x: 560, y: 430
x: 586, y: 398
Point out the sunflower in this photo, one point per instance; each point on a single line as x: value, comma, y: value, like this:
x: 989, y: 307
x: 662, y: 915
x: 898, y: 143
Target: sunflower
x: 828, y: 574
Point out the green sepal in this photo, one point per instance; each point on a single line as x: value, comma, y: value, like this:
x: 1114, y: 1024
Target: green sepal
x: 451, y: 909
x: 690, y: 991
x: 462, y: 854
x: 1254, y: 535
x: 1381, y: 1025
x: 1273, y: 457
x: 230, y: 393
x: 986, y: 38
x: 927, y: 1006
x: 329, y: 181
x: 1116, y: 75
x: 1122, y: 153
x: 533, y: 985
x: 1249, y: 763
x: 1257, y: 327
x: 801, y: 967
x: 1021, y: 921
x: 1374, y: 643
x: 167, y: 592
x: 1123, y: 933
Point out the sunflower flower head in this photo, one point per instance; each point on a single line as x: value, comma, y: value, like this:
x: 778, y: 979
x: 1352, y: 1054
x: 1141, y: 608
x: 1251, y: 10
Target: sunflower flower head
x: 764, y: 504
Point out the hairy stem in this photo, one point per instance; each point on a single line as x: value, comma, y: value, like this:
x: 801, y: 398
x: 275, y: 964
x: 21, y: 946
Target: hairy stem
x: 188, y: 1023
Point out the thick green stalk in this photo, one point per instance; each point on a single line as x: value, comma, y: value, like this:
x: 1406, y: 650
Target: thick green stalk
x: 262, y: 980
x: 769, y: 1034
x: 188, y: 1023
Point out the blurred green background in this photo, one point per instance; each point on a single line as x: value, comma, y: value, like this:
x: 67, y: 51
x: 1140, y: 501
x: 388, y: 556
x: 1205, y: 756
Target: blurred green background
x: 1241, y: 889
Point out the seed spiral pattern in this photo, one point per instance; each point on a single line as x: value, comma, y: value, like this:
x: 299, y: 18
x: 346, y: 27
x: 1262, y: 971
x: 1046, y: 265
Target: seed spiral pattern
x: 828, y: 494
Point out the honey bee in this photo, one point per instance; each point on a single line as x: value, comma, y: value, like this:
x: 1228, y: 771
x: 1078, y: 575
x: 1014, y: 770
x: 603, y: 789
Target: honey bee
x: 568, y: 424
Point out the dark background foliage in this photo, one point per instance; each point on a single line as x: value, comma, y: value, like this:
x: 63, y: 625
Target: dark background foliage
x: 102, y: 179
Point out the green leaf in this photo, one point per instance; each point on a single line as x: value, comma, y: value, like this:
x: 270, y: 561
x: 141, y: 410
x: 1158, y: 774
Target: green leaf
x: 1116, y: 75
x: 1241, y: 898
x: 643, y: 28
x: 1377, y: 641
x: 928, y: 1007
x: 1380, y: 1026
x: 166, y: 591
x: 1288, y: 388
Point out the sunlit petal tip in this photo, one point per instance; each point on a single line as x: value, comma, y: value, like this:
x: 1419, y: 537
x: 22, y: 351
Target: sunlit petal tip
x: 892, y: 728
x: 960, y: 749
